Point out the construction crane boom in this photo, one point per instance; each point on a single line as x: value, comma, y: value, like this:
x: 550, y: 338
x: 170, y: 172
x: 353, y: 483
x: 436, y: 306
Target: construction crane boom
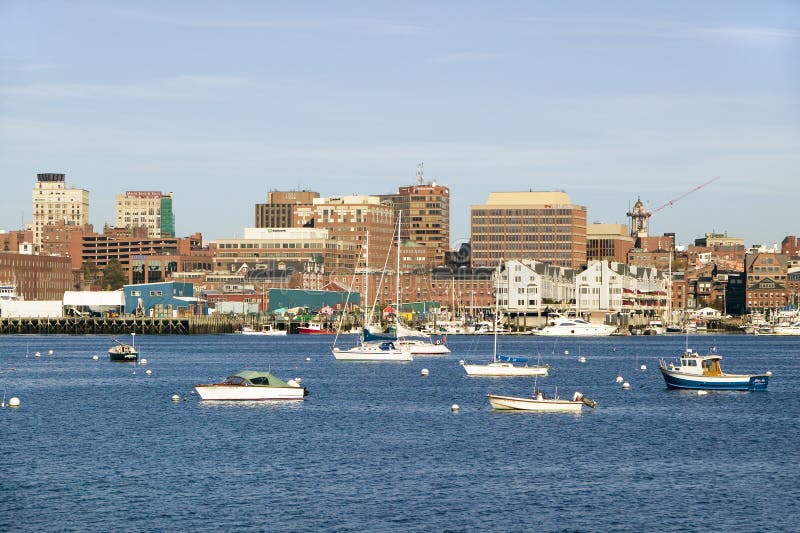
x: 684, y: 195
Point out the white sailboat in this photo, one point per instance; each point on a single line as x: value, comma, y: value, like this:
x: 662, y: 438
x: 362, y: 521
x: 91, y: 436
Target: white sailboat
x: 375, y: 351
x: 503, y: 366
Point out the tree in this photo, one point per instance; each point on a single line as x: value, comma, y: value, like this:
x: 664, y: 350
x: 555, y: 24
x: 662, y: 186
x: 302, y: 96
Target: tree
x: 90, y: 271
x: 113, y: 275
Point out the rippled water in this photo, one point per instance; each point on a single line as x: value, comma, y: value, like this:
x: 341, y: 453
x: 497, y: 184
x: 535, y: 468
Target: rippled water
x: 99, y: 446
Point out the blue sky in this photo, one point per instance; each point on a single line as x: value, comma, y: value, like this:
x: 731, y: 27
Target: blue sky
x: 220, y: 102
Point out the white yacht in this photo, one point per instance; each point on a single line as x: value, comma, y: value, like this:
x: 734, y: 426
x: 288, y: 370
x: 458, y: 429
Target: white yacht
x: 575, y: 327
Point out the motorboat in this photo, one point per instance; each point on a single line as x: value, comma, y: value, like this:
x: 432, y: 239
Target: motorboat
x: 314, y: 328
x: 563, y: 326
x: 124, y: 353
x: 703, y: 372
x: 786, y: 329
x: 539, y: 402
x: 252, y: 385
x: 655, y: 327
x: 263, y: 329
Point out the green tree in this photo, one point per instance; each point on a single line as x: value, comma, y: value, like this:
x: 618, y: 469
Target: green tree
x: 113, y: 275
x: 90, y: 271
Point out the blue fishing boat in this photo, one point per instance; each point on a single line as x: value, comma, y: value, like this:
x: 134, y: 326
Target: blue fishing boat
x: 703, y: 372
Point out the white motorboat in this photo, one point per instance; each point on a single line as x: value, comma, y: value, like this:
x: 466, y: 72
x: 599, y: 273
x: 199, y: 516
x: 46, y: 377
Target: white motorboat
x: 786, y: 329
x: 563, y: 326
x: 263, y: 329
x: 541, y: 403
x: 703, y: 372
x: 251, y: 385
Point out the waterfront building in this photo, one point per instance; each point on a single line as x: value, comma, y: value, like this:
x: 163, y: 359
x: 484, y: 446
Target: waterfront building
x: 53, y: 202
x: 16, y: 241
x: 56, y: 237
x: 715, y: 240
x: 162, y: 300
x: 616, y: 287
x: 530, y: 287
x: 148, y: 209
x: 141, y: 258
x: 273, y: 247
x: 36, y: 277
x: 611, y: 242
x: 425, y: 219
x: 543, y: 226
x: 790, y: 246
x: 279, y: 211
x: 349, y: 219
x: 766, y: 277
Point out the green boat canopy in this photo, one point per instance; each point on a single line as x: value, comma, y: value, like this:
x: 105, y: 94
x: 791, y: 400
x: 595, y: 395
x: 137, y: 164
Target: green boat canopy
x: 260, y: 378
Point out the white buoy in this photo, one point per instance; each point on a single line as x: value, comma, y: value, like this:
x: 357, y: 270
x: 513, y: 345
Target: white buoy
x: 626, y: 385
x: 308, y: 359
x: 581, y: 359
x: 423, y: 372
x: 49, y: 352
x: 142, y: 361
x: 702, y: 392
x: 620, y: 379
x: 175, y: 398
x: 13, y: 402
x: 148, y: 371
x: 643, y: 367
x: 768, y: 373
x: 95, y: 358
x: 566, y: 352
x: 454, y: 408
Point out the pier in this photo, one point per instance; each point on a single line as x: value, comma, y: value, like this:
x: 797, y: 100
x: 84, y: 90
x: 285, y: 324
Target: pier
x: 119, y: 325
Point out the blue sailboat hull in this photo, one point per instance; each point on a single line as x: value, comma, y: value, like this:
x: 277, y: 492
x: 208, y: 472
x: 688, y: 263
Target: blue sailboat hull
x: 747, y: 383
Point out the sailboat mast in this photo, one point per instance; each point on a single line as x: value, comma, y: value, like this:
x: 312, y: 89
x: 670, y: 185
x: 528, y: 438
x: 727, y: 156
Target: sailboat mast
x: 397, y: 278
x: 496, y: 307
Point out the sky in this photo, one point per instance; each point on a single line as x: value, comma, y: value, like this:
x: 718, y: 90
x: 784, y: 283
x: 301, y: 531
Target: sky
x: 221, y: 102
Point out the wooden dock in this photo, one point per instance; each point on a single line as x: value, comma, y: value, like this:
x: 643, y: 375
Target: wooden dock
x: 120, y: 325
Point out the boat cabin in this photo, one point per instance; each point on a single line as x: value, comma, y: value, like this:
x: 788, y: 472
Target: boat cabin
x: 700, y: 365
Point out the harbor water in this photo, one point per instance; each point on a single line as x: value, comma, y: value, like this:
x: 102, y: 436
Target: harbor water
x: 101, y: 446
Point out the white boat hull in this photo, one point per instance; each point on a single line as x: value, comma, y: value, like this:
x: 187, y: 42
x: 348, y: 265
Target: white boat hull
x: 248, y: 393
x: 566, y: 331
x: 552, y: 405
x: 371, y: 353
x: 501, y: 369
x: 274, y: 332
x: 424, y: 348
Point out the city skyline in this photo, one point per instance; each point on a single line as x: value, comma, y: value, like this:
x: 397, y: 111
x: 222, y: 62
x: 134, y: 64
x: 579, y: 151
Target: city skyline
x: 220, y: 104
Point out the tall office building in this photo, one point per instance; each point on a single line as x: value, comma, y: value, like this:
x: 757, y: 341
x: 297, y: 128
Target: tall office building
x: 279, y: 210
x: 425, y: 211
x: 543, y: 226
x: 53, y: 202
x: 352, y: 219
x: 148, y: 209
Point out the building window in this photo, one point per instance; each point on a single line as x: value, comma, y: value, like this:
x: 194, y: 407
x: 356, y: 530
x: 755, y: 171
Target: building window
x: 155, y: 293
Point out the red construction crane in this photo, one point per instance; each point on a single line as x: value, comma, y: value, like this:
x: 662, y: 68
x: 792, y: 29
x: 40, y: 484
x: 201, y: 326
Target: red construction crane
x: 684, y: 195
x: 639, y: 215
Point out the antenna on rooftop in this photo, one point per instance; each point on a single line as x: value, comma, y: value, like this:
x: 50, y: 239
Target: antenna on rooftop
x: 420, y: 177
